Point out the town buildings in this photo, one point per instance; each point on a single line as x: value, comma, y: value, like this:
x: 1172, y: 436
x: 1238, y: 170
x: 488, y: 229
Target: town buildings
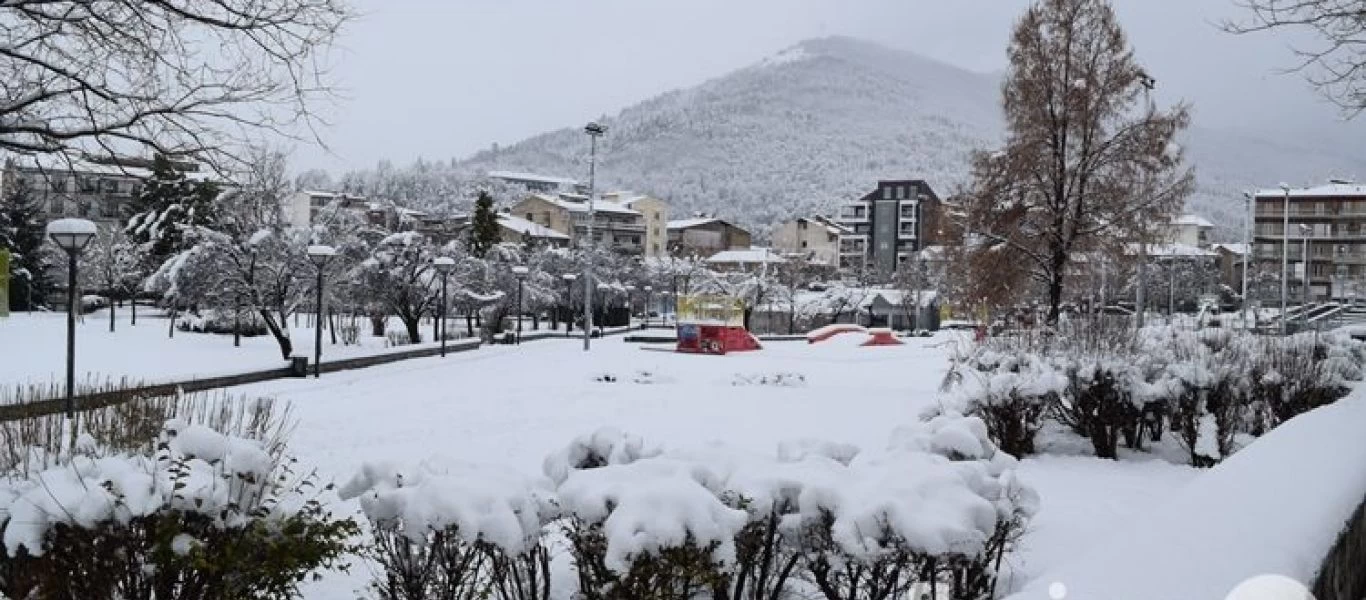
x: 814, y: 239
x: 101, y: 191
x: 705, y: 236
x: 888, y: 225
x: 1329, y: 221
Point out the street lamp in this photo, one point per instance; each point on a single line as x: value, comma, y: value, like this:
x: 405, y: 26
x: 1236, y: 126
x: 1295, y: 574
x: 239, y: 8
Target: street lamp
x: 443, y: 266
x: 594, y: 131
x: 72, y: 236
x: 1305, y: 232
x: 648, y: 290
x: 569, y: 302
x: 1247, y: 247
x: 1285, y: 255
x: 319, y: 255
x: 520, y: 271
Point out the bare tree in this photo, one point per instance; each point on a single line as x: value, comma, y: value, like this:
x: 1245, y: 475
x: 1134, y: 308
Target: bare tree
x: 1087, y: 161
x: 174, y: 77
x: 1337, y: 65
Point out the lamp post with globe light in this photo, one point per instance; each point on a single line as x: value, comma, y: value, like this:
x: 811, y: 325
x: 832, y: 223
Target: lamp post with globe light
x: 521, y: 272
x: 72, y: 236
x: 443, y: 266
x: 319, y: 255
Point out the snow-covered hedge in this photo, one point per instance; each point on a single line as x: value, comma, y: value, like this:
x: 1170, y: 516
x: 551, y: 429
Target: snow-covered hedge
x: 204, y: 515
x: 936, y: 508
x: 1214, y: 389
x: 247, y: 323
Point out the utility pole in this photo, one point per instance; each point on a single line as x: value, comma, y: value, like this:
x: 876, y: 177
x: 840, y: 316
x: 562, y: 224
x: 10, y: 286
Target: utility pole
x: 1247, y: 248
x: 594, y: 131
x: 1285, y: 257
x: 1140, y: 307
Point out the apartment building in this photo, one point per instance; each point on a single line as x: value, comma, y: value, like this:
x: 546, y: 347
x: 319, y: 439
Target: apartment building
x: 816, y: 239
x: 705, y: 236
x: 888, y: 225
x: 100, y: 191
x: 1329, y: 221
x: 656, y: 217
x: 614, y: 226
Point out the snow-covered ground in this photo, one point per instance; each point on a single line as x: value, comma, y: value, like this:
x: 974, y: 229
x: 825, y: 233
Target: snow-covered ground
x: 33, y: 348
x: 512, y: 406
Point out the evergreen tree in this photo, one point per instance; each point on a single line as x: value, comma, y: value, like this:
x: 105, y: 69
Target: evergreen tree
x: 484, y: 230
x: 22, y: 232
x: 168, y: 204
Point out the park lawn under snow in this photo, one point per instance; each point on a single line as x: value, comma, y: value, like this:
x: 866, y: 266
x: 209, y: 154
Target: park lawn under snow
x: 512, y: 406
x: 33, y: 349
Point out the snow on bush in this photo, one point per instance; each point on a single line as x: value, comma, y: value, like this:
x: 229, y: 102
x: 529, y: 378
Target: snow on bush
x: 606, y: 446
x: 1213, y: 388
x: 448, y: 529
x: 201, y: 506
x: 247, y: 323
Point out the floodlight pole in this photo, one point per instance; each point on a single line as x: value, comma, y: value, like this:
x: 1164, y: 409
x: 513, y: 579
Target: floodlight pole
x: 594, y: 131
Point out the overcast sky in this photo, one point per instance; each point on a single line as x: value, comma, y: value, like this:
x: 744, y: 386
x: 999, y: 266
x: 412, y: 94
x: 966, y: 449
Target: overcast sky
x: 443, y: 78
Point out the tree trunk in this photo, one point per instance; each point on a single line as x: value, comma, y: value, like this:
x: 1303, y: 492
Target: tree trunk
x: 133, y: 306
x: 332, y: 325
x: 277, y: 332
x: 111, y: 313
x: 377, y: 325
x: 469, y: 324
x: 412, y: 324
x: 170, y: 331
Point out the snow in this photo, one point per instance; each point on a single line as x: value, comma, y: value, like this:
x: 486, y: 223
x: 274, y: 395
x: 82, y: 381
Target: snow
x: 526, y: 227
x: 1333, y: 189
x: 747, y: 256
x: 1192, y: 220
x: 1246, y: 517
x: 71, y: 227
x: 143, y: 353
x: 694, y: 222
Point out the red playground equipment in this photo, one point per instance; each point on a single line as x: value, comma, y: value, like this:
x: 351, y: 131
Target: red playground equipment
x: 829, y: 331
x: 713, y: 325
x: 882, y: 337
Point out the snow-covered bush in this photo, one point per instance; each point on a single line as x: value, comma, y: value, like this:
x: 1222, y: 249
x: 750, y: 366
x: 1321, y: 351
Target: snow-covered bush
x: 199, y: 514
x: 606, y: 446
x: 455, y: 531
x: 247, y: 323
x: 1011, y: 394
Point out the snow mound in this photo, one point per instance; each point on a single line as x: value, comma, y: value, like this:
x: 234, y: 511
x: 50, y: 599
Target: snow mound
x: 1280, y: 502
x: 650, y: 505
x: 606, y: 446
x: 481, y: 503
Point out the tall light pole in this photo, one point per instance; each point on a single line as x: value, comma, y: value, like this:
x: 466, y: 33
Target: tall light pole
x: 1285, y: 256
x: 569, y: 302
x: 1305, y: 232
x: 1248, y: 217
x: 443, y: 266
x: 594, y: 131
x: 520, y: 271
x: 1140, y: 306
x: 319, y: 255
x: 72, y: 236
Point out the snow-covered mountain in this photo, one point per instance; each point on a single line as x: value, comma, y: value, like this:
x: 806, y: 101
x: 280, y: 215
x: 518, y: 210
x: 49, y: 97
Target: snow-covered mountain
x: 819, y: 123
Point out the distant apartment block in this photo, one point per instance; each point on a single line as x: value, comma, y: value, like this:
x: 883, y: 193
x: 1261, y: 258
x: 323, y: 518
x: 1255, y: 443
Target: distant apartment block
x: 614, y: 225
x: 888, y: 225
x: 706, y: 236
x: 537, y: 183
x: 101, y: 191
x: 1331, y: 220
x: 814, y: 239
x: 656, y: 216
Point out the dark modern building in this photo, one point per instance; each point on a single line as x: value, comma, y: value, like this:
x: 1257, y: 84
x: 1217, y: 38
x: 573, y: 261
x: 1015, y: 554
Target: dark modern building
x: 888, y: 225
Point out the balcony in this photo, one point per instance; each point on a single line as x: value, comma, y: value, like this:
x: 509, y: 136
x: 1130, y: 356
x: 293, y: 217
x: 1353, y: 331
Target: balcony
x: 853, y: 214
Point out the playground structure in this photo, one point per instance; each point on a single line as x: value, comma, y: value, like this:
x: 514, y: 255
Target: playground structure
x: 709, y: 324
x: 874, y: 337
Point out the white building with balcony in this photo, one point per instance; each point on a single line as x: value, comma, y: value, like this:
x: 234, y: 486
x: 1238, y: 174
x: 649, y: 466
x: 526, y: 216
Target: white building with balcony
x: 1325, y: 244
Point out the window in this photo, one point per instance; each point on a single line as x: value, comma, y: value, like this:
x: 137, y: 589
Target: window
x: 803, y: 244
x: 109, y: 209
x: 901, y: 192
x: 531, y: 217
x: 635, y: 239
x: 86, y: 184
x: 801, y: 225
x: 58, y: 185
x: 83, y: 208
x: 655, y: 247
x: 657, y: 217
x: 887, y: 193
x: 57, y: 208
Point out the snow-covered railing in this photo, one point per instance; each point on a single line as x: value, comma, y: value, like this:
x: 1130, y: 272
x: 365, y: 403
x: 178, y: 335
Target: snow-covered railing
x: 1278, y: 507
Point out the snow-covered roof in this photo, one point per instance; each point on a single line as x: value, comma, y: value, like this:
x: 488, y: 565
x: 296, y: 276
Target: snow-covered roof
x: 898, y: 297
x: 1192, y: 220
x: 747, y: 256
x: 1331, y: 189
x: 1239, y: 248
x: 57, y: 164
x: 518, y: 176
x: 525, y: 227
x: 693, y: 222
x: 1172, y: 250
x: 577, y: 203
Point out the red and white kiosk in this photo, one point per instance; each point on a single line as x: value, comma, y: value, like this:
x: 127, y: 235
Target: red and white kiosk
x: 713, y: 325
